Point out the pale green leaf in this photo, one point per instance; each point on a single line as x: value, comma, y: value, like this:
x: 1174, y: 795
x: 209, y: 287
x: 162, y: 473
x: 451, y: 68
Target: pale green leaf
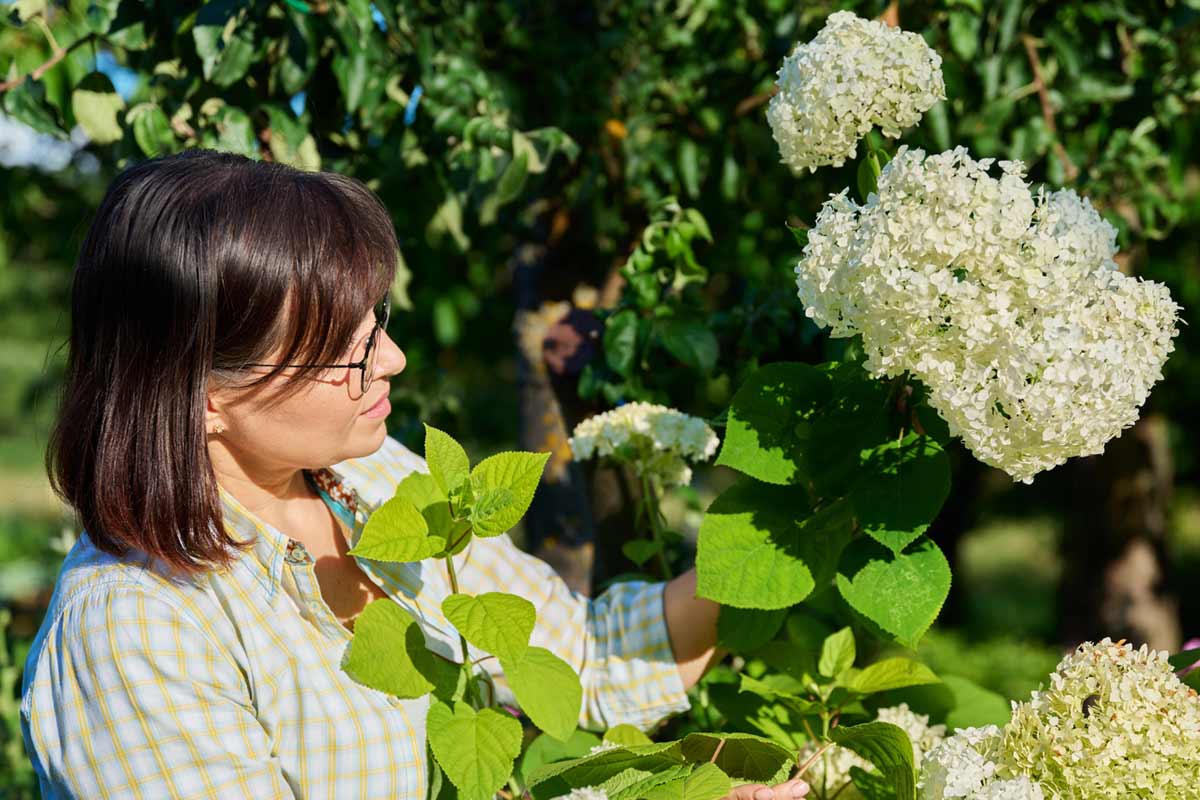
x: 705, y: 782
x: 547, y: 689
x: 447, y: 461
x: 496, y: 622
x: 95, y: 105
x: 545, y: 749
x: 476, y: 749
x: 743, y: 756
x: 388, y: 653
x: 626, y: 735
x: 503, y: 486
x: 396, y: 532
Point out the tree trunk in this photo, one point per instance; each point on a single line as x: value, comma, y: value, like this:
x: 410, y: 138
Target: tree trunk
x: 1114, y: 546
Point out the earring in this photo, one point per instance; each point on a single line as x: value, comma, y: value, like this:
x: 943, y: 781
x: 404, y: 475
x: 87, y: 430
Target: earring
x: 218, y: 428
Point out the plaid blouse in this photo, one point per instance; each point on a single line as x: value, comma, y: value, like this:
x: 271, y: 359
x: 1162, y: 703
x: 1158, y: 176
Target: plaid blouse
x: 144, y: 684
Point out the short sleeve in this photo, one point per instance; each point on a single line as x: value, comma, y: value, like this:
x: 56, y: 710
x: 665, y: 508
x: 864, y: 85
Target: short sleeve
x: 131, y: 698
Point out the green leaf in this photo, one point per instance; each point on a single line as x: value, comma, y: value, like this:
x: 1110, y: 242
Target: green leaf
x: 690, y: 341
x: 781, y: 696
x: 95, y: 105
x: 422, y: 491
x: 639, y: 551
x: 901, y: 593
x: 766, y: 430
x: 476, y: 749
x: 28, y: 8
x: 352, y: 71
x: 891, y: 673
x: 555, y: 780
x: 503, y: 486
x: 620, y: 341
x: 447, y: 461
x: 837, y: 653
x: 25, y: 102
x: 547, y: 689
x: 388, y: 653
x: 743, y: 756
x: 626, y: 735
x: 151, y: 129
x: 902, y: 488
x: 512, y: 180
x: 866, y: 179
x: 744, y: 629
x: 396, y: 532
x: 496, y: 622
x: 887, y: 747
x: 706, y: 782
x: 226, y: 41
x: 545, y: 749
x: 761, y: 547
x: 635, y: 784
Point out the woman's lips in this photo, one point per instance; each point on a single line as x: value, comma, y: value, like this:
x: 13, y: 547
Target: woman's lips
x: 380, y: 409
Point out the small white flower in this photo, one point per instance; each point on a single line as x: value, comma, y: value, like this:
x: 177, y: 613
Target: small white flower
x: 655, y: 439
x: 854, y: 75
x: 586, y: 793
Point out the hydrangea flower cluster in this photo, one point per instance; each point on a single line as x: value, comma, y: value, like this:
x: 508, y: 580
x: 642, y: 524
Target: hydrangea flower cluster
x: 854, y: 75
x: 657, y: 440
x: 1114, y: 722
x: 970, y: 765
x: 586, y: 793
x: 832, y: 770
x: 1007, y: 305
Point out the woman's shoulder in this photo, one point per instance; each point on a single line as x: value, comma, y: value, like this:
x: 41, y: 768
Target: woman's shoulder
x: 375, y: 476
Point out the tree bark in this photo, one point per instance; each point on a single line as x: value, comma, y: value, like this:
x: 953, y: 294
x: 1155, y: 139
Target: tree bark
x: 1114, y: 545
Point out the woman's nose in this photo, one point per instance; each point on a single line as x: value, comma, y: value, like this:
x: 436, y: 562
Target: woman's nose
x: 391, y: 358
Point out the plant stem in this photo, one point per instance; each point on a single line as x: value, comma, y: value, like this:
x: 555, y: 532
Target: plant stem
x: 650, y: 498
x: 466, y: 653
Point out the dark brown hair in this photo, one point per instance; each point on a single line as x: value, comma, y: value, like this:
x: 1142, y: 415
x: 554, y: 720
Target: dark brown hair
x: 184, y: 278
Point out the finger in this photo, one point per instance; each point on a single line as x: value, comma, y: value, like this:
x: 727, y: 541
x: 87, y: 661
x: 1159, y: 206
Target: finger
x: 791, y: 790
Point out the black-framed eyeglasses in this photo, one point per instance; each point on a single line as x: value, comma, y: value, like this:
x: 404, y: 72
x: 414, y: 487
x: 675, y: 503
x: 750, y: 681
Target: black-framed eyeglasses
x: 366, y: 364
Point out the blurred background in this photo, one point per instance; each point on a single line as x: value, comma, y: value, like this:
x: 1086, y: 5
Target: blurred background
x: 540, y: 161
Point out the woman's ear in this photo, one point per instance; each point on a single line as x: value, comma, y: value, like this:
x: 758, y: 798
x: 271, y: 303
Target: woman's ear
x: 214, y: 419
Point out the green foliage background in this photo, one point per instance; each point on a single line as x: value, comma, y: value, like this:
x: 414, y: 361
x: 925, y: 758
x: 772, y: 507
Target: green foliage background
x: 486, y: 127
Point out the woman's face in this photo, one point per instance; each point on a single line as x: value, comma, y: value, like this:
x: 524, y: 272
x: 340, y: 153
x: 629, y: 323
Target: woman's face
x: 328, y: 421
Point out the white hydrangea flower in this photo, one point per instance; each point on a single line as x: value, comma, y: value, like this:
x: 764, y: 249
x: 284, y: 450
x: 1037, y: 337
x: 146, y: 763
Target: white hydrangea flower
x: 832, y: 769
x: 966, y: 765
x: 854, y: 75
x: 586, y: 793
x: 603, y: 746
x: 658, y: 440
x: 1007, y: 305
x: 1114, y: 722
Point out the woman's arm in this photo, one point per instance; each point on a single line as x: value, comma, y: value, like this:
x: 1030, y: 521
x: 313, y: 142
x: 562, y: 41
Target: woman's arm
x: 692, y: 625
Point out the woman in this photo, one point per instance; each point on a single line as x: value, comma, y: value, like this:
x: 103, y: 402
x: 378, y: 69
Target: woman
x: 222, y: 439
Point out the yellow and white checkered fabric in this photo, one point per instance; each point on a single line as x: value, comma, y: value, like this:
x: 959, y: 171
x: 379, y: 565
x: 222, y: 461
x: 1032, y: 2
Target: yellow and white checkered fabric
x: 144, y: 684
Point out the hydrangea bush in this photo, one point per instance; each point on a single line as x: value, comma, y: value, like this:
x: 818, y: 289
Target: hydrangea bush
x: 982, y: 308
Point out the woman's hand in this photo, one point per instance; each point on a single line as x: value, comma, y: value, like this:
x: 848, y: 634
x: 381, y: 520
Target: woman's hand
x: 794, y: 788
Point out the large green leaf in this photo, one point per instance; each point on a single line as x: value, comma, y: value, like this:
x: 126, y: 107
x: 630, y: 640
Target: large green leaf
x: 496, y: 622
x: 768, y: 428
x: 901, y: 490
x: 743, y: 629
x: 388, y: 653
x: 502, y: 487
x: 705, y: 782
x: 397, y: 532
x: 226, y: 41
x: 900, y: 593
x: 547, y: 689
x: 476, y: 749
x: 888, y: 748
x: 151, y: 129
x: 555, y: 780
x: 448, y: 462
x: 743, y: 756
x: 761, y: 546
x: 545, y: 749
x: 620, y: 341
